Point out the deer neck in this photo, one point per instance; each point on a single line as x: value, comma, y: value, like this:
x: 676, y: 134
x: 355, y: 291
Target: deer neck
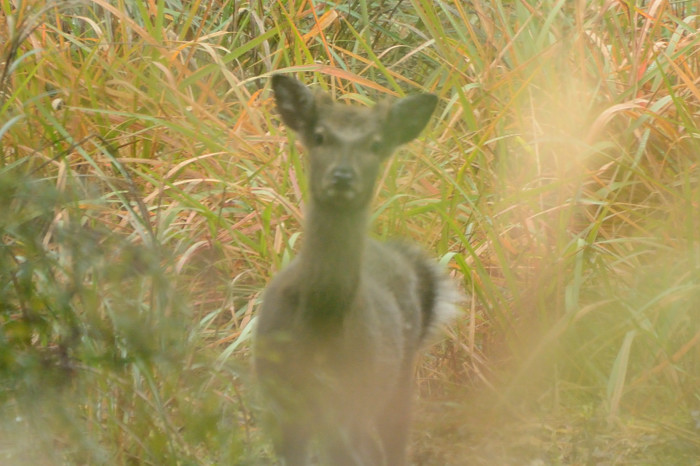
x: 331, y: 258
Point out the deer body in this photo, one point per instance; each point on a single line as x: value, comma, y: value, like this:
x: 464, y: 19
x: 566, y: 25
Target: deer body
x: 339, y: 328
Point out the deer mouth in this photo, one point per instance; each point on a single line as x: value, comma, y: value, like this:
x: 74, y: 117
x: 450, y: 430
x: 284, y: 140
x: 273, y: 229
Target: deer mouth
x: 340, y: 192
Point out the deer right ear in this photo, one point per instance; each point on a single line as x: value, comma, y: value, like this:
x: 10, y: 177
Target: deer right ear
x: 295, y: 102
x: 408, y: 117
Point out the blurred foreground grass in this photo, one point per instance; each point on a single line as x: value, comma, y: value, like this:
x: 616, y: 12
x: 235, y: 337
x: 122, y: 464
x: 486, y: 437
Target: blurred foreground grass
x: 147, y: 195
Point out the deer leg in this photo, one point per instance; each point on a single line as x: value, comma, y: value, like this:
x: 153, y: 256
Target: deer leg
x: 292, y: 445
x: 393, y: 423
x: 354, y: 447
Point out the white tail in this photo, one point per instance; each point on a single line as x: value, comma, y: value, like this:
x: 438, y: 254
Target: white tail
x: 339, y: 328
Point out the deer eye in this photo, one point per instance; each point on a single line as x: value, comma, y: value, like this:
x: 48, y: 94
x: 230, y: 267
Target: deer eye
x: 318, y: 137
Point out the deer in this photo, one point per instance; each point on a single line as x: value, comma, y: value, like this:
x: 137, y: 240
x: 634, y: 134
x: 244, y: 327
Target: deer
x: 339, y: 328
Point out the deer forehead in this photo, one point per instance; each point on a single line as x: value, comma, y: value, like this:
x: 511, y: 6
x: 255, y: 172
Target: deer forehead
x: 350, y: 124
x: 349, y: 134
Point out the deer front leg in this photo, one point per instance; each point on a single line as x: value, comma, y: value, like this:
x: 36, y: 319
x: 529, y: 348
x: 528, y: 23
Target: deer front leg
x: 394, y: 421
x: 354, y: 446
x: 292, y: 444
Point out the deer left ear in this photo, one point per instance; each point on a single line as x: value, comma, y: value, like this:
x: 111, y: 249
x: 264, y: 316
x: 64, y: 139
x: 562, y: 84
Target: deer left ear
x: 408, y: 116
x: 295, y: 102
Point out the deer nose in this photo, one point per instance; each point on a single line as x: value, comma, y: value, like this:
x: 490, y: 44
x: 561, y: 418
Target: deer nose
x: 343, y: 176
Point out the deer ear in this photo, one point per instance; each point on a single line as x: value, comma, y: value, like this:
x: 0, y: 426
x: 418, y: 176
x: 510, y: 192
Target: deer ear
x: 295, y: 102
x: 408, y: 116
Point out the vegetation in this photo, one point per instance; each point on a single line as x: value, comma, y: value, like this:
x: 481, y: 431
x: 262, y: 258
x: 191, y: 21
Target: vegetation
x: 148, y: 193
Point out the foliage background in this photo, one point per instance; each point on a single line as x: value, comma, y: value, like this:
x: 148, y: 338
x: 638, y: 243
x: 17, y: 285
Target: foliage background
x: 148, y: 193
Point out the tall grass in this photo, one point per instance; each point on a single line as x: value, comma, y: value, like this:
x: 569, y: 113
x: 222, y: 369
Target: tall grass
x: 148, y: 194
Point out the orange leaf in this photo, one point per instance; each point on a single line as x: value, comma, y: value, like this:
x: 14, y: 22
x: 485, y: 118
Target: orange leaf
x: 328, y: 18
